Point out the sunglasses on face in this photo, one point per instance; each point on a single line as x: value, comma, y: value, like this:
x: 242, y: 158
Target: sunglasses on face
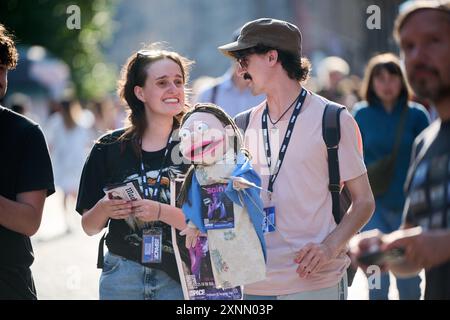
x: 243, y: 57
x: 243, y: 62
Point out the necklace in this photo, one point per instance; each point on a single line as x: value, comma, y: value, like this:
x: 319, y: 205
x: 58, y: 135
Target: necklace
x: 274, y: 123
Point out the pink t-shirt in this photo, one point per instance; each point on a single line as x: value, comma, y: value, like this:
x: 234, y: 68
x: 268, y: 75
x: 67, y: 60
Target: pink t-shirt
x: 301, y: 196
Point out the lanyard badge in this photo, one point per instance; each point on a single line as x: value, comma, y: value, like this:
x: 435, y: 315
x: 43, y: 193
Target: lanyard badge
x: 151, y: 245
x: 269, y: 210
x: 269, y: 219
x: 152, y: 237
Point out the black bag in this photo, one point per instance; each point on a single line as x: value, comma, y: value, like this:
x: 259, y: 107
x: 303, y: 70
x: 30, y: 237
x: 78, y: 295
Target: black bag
x: 381, y: 172
x: 342, y: 200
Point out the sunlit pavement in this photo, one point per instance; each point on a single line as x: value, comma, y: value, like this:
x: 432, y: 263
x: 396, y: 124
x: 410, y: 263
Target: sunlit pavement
x: 65, y: 265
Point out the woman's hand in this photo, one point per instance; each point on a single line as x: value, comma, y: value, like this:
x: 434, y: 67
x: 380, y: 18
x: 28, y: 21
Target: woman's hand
x: 114, y: 209
x: 146, y: 210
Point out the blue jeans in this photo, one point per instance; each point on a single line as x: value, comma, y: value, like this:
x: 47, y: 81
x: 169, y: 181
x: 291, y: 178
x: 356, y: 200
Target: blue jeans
x: 124, y: 279
x: 388, y: 221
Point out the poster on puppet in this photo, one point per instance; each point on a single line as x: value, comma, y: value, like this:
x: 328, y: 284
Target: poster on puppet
x: 194, y: 264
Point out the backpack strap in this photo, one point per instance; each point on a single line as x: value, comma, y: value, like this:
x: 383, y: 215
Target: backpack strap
x: 242, y: 119
x: 331, y: 133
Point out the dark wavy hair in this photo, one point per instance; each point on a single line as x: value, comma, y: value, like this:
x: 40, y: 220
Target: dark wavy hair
x: 8, y: 51
x: 134, y: 73
x: 226, y: 120
x: 297, y: 68
x: 390, y: 63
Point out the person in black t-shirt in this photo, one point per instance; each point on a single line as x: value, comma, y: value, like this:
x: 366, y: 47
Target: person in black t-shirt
x: 423, y: 31
x: 139, y: 232
x: 26, y: 179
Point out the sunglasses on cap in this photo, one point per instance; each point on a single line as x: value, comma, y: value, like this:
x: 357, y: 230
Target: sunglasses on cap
x: 147, y: 53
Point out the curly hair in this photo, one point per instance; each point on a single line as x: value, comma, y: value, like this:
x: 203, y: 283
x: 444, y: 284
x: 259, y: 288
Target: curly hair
x: 8, y: 52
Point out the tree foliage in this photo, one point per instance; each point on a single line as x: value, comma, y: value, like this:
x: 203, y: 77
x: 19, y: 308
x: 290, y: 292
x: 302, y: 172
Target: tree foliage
x: 47, y: 23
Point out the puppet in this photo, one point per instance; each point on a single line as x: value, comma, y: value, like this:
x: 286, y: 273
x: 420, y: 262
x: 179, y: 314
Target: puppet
x: 221, y: 197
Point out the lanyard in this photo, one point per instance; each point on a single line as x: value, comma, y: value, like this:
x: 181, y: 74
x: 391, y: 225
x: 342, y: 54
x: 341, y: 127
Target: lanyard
x: 156, y: 188
x: 287, y: 138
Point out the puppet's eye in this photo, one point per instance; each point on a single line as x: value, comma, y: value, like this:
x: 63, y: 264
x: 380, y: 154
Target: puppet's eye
x: 184, y: 134
x: 201, y: 127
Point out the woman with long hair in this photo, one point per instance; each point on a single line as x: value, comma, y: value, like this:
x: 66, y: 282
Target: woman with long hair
x: 389, y: 122
x: 140, y: 262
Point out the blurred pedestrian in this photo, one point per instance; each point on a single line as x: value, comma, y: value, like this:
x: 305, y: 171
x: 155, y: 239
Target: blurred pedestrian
x: 331, y: 72
x: 423, y: 32
x: 19, y: 103
x: 153, y: 87
x: 26, y: 179
x: 68, y: 142
x: 104, y: 113
x: 389, y: 122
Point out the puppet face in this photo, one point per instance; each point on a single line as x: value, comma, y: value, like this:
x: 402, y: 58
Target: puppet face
x: 204, y: 139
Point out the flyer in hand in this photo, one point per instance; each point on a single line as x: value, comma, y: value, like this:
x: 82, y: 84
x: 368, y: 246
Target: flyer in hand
x: 124, y: 191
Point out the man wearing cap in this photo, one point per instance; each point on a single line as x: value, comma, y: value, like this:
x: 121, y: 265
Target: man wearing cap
x: 423, y: 32
x: 306, y: 252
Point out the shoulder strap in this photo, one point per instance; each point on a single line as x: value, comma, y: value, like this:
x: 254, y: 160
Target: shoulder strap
x: 331, y: 133
x: 399, y: 133
x: 100, y: 251
x: 101, y: 244
x: 242, y: 119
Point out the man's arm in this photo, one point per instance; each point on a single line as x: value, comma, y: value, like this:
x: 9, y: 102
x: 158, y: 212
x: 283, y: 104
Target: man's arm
x: 313, y: 256
x: 24, y: 215
x: 362, y: 208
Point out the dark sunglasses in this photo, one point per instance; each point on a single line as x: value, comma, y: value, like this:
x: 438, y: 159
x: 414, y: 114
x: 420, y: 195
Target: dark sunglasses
x: 242, y: 57
x: 243, y: 62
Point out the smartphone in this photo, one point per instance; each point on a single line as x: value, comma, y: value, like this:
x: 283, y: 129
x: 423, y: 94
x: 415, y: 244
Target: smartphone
x: 379, y: 258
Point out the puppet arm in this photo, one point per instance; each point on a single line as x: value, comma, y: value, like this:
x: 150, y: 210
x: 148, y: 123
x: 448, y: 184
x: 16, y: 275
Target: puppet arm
x: 191, y: 232
x: 240, y: 183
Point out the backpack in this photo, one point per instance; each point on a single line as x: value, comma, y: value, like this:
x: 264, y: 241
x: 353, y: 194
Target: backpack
x: 331, y: 133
